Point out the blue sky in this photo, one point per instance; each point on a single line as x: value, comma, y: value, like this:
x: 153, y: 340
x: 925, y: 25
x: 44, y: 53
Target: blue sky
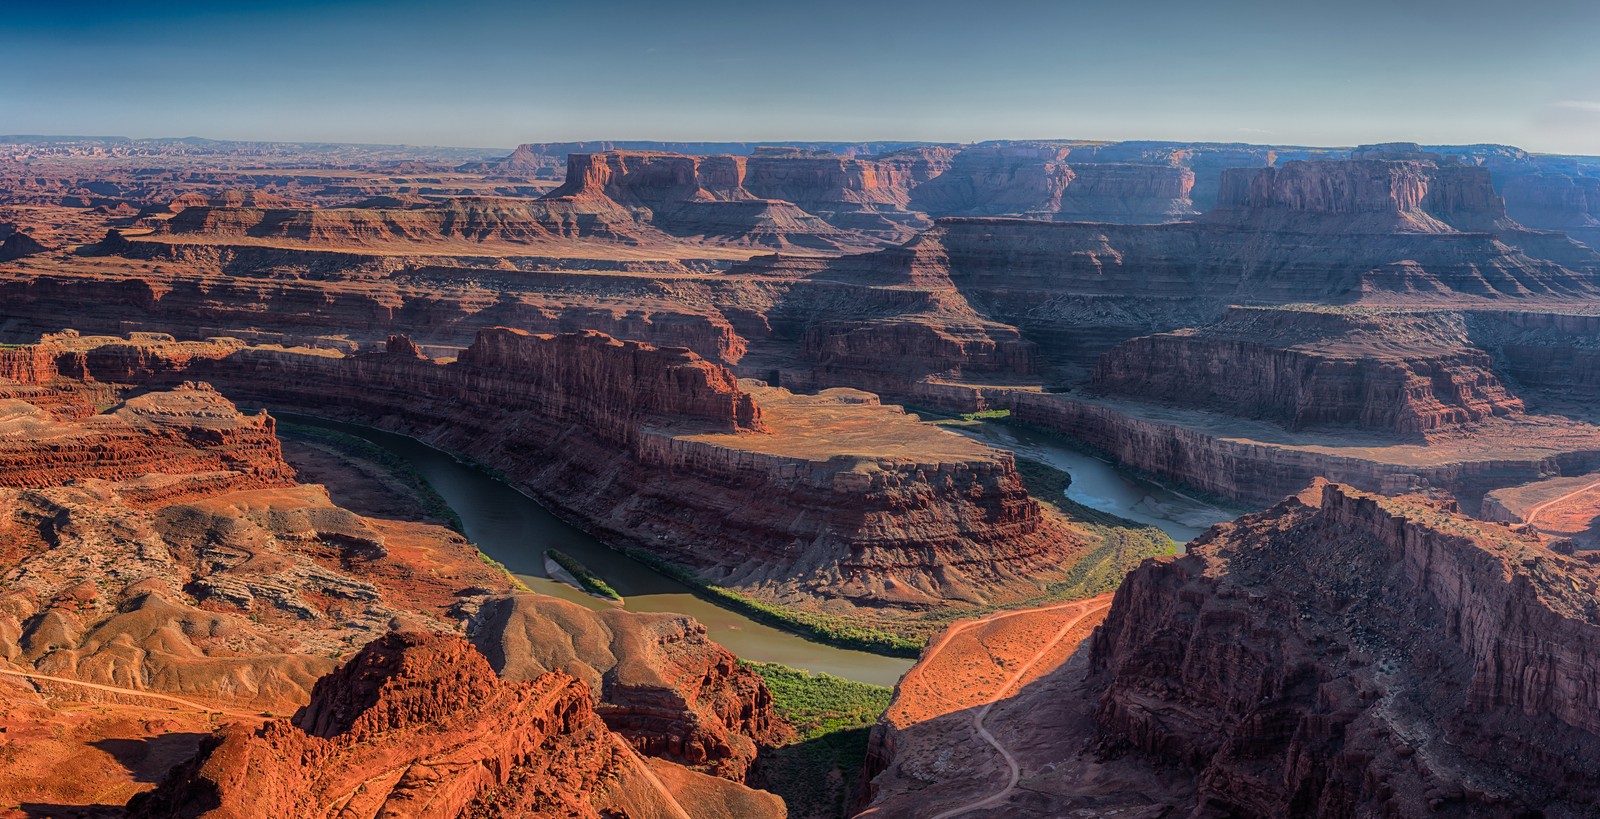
x: 500, y: 73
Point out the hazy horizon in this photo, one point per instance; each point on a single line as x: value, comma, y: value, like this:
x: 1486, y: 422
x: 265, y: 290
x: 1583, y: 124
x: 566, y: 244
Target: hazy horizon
x: 496, y: 74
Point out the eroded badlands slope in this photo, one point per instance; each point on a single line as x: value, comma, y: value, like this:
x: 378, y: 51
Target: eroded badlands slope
x: 158, y: 556
x: 419, y: 725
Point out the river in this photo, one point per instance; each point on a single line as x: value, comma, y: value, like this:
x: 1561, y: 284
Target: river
x: 515, y: 530
x: 1101, y: 485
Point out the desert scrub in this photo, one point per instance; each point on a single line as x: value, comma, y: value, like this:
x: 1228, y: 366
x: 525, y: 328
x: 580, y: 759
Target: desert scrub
x: 817, y: 704
x: 1123, y: 543
x: 501, y: 567
x: 591, y: 582
x: 966, y: 419
x: 432, y: 503
x: 817, y: 771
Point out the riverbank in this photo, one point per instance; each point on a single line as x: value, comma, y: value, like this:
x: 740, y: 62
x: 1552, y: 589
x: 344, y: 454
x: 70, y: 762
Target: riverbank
x: 514, y: 530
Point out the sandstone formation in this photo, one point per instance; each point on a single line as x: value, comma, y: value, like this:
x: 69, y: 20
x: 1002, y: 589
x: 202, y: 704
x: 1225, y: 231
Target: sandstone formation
x: 1375, y: 370
x: 1040, y: 180
x: 165, y: 547
x: 844, y: 504
x: 1340, y: 654
x: 658, y: 680
x: 181, y: 559
x: 1439, y: 670
x: 419, y: 725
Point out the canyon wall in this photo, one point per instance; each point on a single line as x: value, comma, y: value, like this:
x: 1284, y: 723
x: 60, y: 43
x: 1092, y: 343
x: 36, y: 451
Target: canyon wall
x: 1355, y: 655
x: 1555, y: 201
x: 658, y: 680
x: 1362, y: 195
x: 1402, y: 372
x: 886, y: 513
x: 1258, y: 471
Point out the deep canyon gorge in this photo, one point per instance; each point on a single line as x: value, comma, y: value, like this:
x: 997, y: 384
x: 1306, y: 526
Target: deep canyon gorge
x: 813, y: 479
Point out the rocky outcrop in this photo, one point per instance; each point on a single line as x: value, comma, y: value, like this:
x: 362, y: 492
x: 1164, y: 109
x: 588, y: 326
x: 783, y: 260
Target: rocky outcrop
x: 29, y: 363
x: 1404, y: 372
x: 18, y: 245
x: 880, y: 510
x: 701, y: 197
x: 419, y: 725
x: 472, y: 219
x: 1353, y: 655
x: 613, y: 386
x: 1367, y: 195
x: 658, y: 679
x: 166, y: 548
x: 229, y: 199
x: 191, y: 434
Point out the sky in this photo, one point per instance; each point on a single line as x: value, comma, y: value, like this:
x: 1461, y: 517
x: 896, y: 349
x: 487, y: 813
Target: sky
x: 493, y: 73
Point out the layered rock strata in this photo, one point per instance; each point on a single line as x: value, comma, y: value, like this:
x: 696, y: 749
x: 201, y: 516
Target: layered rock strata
x: 1340, y: 654
x: 842, y: 502
x: 419, y: 725
x: 1438, y: 670
x: 1404, y: 372
x: 1041, y: 180
x: 658, y: 679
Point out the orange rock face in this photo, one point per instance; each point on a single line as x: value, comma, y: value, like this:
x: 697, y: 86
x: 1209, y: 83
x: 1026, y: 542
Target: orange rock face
x: 659, y: 681
x: 1400, y: 372
x: 191, y: 434
x: 1341, y: 654
x: 900, y: 516
x: 1439, y: 670
x: 419, y: 725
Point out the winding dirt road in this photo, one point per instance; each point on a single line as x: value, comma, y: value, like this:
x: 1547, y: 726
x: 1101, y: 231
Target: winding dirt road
x: 981, y: 715
x: 190, y: 705
x: 1533, y: 514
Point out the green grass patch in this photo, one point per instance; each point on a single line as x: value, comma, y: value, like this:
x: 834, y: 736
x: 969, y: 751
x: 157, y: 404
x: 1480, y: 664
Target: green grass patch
x: 590, y: 581
x: 817, y: 772
x: 818, y: 704
x: 433, y: 505
x: 1123, y: 544
x: 501, y: 567
x: 940, y: 418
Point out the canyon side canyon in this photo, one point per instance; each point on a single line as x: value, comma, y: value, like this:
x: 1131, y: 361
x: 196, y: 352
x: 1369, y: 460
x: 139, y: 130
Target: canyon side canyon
x: 1167, y: 479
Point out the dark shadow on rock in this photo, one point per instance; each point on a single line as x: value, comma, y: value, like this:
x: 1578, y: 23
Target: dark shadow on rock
x: 45, y: 810
x: 149, y: 759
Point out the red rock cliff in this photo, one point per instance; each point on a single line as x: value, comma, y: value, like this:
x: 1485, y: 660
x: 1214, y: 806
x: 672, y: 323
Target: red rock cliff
x: 419, y: 725
x: 1357, y: 655
x: 1406, y: 373
x: 617, y: 385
